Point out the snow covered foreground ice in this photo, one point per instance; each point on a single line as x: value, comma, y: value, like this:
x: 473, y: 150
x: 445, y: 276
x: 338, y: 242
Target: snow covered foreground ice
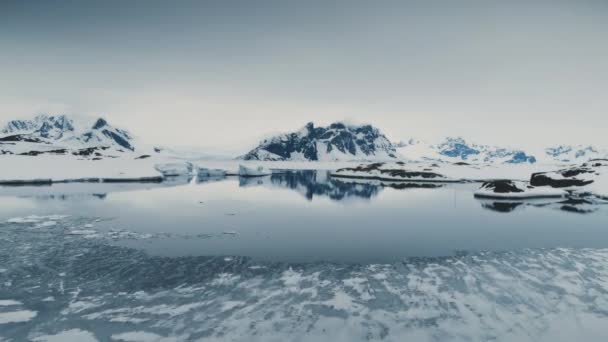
x: 58, y: 288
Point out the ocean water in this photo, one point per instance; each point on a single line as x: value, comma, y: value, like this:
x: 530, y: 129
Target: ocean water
x: 298, y: 256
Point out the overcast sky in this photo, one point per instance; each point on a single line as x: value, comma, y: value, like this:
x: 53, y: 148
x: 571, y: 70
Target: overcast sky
x: 225, y: 73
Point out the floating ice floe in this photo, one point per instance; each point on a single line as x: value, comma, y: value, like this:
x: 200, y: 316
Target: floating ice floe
x: 506, y: 189
x: 82, y: 232
x: 45, y: 224
x: 36, y: 219
x: 253, y: 171
x: 174, y: 169
x: 17, y: 316
x: 143, y: 336
x: 73, y: 335
x: 9, y: 302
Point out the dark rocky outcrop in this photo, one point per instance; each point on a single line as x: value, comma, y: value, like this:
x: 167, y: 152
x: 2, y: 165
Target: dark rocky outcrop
x: 501, y: 186
x: 545, y: 179
x: 313, y: 143
x: 21, y: 138
x: 386, y: 173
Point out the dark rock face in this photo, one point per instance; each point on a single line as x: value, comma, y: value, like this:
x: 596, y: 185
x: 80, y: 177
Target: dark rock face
x: 89, y: 151
x: 387, y: 173
x: 21, y: 137
x: 501, y: 187
x: 100, y: 123
x: 36, y: 153
x: 312, y: 143
x: 119, y: 139
x: 544, y: 179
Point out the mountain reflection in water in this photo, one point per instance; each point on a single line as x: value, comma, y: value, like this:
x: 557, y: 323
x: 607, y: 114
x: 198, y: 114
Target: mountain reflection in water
x: 312, y: 183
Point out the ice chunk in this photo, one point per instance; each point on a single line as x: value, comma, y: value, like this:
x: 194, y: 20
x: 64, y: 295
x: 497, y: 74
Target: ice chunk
x: 82, y: 232
x: 45, y: 224
x: 36, y: 219
x: 9, y: 302
x: 174, y: 169
x: 67, y: 336
x: 253, y: 171
x: 17, y: 316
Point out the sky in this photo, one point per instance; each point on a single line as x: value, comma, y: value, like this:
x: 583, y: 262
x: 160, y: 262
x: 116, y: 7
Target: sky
x: 224, y: 74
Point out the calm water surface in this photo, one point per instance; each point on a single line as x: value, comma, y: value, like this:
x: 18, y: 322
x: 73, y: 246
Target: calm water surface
x: 297, y: 256
x: 307, y: 216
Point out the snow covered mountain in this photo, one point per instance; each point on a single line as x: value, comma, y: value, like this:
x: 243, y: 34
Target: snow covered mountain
x: 459, y: 150
x: 337, y: 141
x: 575, y: 154
x: 62, y: 131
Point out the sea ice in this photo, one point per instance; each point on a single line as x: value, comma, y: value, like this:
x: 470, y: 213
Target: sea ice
x: 73, y: 335
x: 17, y: 316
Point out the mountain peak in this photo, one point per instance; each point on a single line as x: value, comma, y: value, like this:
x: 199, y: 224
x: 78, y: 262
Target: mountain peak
x: 101, y: 122
x: 337, y: 141
x: 62, y: 129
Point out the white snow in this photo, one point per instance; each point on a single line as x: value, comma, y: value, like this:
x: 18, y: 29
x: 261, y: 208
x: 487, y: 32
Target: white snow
x: 45, y: 224
x: 143, y: 336
x: 17, y: 316
x: 36, y: 219
x: 73, y: 335
x: 62, y: 131
x: 597, y: 172
x: 175, y: 168
x: 9, y: 302
x: 82, y: 232
x: 70, y: 168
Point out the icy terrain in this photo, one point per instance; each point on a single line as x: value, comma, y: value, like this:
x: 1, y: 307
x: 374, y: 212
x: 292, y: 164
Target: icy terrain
x: 60, y: 287
x: 457, y: 149
x: 59, y: 148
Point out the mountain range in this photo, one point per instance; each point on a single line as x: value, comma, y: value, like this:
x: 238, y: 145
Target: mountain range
x: 336, y: 142
x: 342, y: 142
x: 459, y: 150
x: 64, y: 132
